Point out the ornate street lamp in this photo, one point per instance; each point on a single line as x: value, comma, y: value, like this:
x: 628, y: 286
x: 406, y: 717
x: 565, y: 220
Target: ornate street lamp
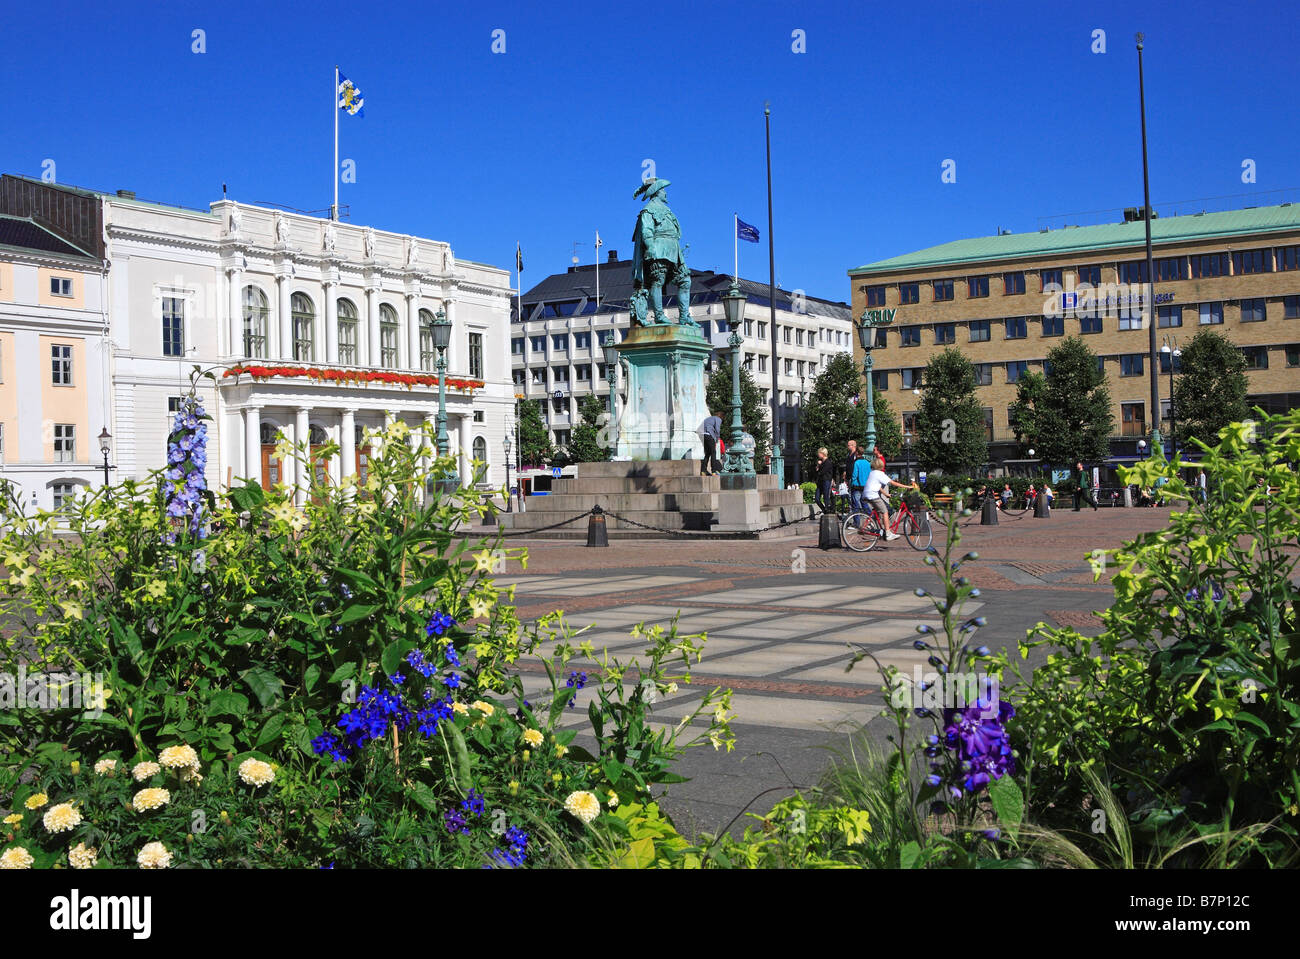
x: 611, y: 374
x: 509, y: 499
x: 738, y: 459
x: 106, y: 447
x: 867, y: 324
x: 441, y: 327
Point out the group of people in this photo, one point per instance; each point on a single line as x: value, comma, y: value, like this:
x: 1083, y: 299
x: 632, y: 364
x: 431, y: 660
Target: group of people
x: 866, y: 479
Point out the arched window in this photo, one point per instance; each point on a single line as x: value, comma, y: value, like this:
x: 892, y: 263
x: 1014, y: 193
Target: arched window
x: 269, y: 433
x: 317, y: 435
x: 304, y: 316
x: 480, y: 449
x: 255, y: 313
x: 428, y: 355
x: 347, y: 332
x: 387, y: 337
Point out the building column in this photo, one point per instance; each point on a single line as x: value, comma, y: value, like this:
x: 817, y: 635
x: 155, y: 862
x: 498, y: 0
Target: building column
x: 301, y: 470
x: 253, y: 444
x: 456, y: 446
x: 236, y: 313
x: 331, y: 340
x: 373, y: 353
x: 453, y: 345
x: 285, y: 318
x: 348, y: 442
x: 412, y: 331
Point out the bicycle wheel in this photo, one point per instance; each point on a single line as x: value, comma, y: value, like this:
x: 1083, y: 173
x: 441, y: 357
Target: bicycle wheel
x: 917, y: 532
x: 860, y: 531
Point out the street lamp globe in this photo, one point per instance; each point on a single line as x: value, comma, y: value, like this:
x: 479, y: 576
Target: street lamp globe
x: 733, y: 304
x: 611, y: 354
x: 441, y: 331
x: 1031, y: 454
x: 105, y: 441
x: 506, y: 443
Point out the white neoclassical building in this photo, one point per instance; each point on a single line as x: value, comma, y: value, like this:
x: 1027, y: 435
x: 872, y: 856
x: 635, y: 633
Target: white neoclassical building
x: 316, y: 330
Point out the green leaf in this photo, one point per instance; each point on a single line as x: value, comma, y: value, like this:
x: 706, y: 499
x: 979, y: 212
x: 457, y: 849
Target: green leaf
x: 227, y: 703
x: 909, y: 855
x: 266, y: 686
x: 424, y: 796
x: 1008, y: 802
x: 357, y: 578
x: 640, y: 854
x: 243, y: 635
x: 270, y: 730
x: 461, y: 752
x: 310, y: 676
x: 391, y: 658
x: 355, y: 611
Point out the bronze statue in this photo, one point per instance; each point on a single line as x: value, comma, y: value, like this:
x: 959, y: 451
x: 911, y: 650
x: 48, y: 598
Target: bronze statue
x: 657, y: 257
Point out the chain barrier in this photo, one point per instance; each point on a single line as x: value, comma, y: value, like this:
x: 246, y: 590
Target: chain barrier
x: 719, y: 535
x: 543, y: 529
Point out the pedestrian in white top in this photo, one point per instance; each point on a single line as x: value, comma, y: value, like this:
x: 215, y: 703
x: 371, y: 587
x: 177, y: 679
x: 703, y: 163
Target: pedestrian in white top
x: 874, y: 483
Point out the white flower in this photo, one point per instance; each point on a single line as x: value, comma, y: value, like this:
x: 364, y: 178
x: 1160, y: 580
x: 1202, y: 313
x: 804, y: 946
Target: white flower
x: 105, y: 766
x: 147, y: 799
x: 16, y: 858
x: 154, y: 856
x: 255, y: 772
x: 142, y: 771
x: 179, y: 757
x: 79, y: 857
x: 532, y: 737
x: 62, y: 817
x: 582, y: 805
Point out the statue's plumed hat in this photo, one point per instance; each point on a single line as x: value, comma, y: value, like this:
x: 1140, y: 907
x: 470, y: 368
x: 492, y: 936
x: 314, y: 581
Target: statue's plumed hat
x: 651, y: 187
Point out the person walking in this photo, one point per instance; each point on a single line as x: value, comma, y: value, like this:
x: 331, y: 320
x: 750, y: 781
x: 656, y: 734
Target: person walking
x: 1202, y: 484
x: 1082, y: 489
x: 855, y: 491
x: 825, y: 481
x: 710, y: 433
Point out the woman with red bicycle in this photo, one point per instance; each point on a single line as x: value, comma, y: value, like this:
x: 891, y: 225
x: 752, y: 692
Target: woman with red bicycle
x: 874, y: 481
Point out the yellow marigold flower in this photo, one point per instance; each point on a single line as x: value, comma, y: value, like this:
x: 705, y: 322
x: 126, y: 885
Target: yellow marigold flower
x: 582, y: 805
x: 62, y: 817
x: 16, y: 858
x: 157, y: 588
x: 255, y: 772
x: 147, y: 799
x: 514, y: 787
x: 460, y: 708
x: 79, y: 857
x: 532, y: 738
x: 154, y: 856
x: 556, y: 777
x: 75, y: 767
x: 560, y: 751
x: 487, y: 709
x: 142, y: 771
x: 36, y: 801
x: 179, y: 757
x: 613, y: 799
x: 13, y: 819
x: 105, y: 767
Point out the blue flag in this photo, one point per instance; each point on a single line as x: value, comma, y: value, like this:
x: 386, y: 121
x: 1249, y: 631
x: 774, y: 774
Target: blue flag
x: 350, y: 100
x: 746, y: 232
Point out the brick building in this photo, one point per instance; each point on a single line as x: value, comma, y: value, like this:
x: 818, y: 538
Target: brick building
x: 1007, y: 300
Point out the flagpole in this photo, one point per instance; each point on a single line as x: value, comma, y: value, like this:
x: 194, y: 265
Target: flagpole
x: 597, y: 271
x: 334, y: 101
x: 735, y: 245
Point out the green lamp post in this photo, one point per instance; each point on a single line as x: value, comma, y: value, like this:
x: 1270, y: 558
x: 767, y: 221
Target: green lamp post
x: 867, y: 324
x: 441, y: 340
x: 738, y: 459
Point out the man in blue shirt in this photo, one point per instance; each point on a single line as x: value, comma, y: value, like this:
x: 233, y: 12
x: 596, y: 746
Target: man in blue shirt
x: 710, y: 432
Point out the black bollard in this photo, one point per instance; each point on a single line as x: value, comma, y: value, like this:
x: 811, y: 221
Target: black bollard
x: 597, y: 534
x: 828, y: 534
x: 1041, y: 509
x: 990, y: 517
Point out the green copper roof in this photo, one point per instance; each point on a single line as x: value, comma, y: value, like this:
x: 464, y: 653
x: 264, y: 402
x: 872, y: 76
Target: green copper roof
x: 1081, y: 239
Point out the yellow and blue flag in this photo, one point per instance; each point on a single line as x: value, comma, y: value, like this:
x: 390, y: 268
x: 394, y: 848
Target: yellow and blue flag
x: 350, y: 99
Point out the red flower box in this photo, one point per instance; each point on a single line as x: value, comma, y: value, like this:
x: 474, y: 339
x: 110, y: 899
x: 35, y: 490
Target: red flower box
x: 409, y: 380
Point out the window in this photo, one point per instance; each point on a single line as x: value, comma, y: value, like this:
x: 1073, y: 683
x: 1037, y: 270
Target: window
x: 875, y: 295
x: 1292, y: 357
x: 537, y: 344
x: 1013, y: 283
x: 1288, y: 258
x: 1165, y: 361
x: 942, y: 290
x: 798, y: 337
x: 1130, y: 320
x: 65, y: 443
x: 1132, y: 364
x: 882, y: 337
x: 559, y: 374
x: 1211, y: 313
x: 63, y: 494
x: 1016, y: 328
x: 387, y: 337
x: 173, y: 326
x: 762, y: 329
x: 62, y: 359
x: 912, y: 378
x: 1016, y: 369
x: 983, y: 374
x: 988, y: 423
x: 977, y: 286
x: 979, y: 331
x: 1047, y: 368
x: 1252, y: 261
x: 560, y: 405
x: 909, y: 424
x: 812, y: 339
x: 789, y: 367
x: 480, y: 449
x: 1171, y: 268
x: 607, y: 337
x: 1252, y: 311
x: 304, y: 314
x: 1051, y: 278
x: 582, y: 341
x: 560, y: 343
x: 600, y: 371
x: 1133, y: 272
x: 800, y: 365
x: 1291, y: 307
x: 562, y: 437
x: 1089, y: 323
x: 255, y: 314
x: 909, y: 293
x: 1090, y: 275
x: 476, y: 355
x: 348, y: 331
x: 516, y: 346
x: 1168, y: 316
x: 762, y: 364
x: 911, y: 335
x: 1256, y: 357
x: 785, y: 334
x: 539, y: 375
x: 1133, y: 419
x: 519, y: 376
x: 1210, y: 264
x: 480, y: 417
x: 1053, y: 325
x: 583, y: 372
x: 880, y: 380
x: 61, y: 285
x: 945, y: 333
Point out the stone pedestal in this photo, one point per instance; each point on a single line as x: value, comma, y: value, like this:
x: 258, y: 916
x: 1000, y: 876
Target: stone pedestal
x: 665, y: 393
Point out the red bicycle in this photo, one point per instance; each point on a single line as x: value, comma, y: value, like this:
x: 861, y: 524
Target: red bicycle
x: 863, y: 530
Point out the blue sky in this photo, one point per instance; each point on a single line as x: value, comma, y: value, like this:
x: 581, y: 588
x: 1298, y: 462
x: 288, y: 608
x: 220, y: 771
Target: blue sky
x: 545, y: 143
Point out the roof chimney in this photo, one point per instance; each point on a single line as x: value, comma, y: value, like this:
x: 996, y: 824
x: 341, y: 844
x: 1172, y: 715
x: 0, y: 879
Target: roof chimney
x: 126, y: 194
x: 613, y: 256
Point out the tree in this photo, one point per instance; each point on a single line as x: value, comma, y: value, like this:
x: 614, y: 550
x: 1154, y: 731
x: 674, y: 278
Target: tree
x: 1064, y: 415
x: 534, y: 442
x: 950, y: 432
x: 836, y: 412
x: 585, y: 446
x: 753, y: 411
x: 1209, y: 388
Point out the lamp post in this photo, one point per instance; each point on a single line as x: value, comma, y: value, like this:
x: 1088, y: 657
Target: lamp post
x: 867, y: 324
x: 441, y: 339
x: 738, y: 460
x: 1170, y: 349
x: 907, y: 450
x: 106, y: 447
x: 611, y: 374
x: 1148, y: 306
x: 509, y: 498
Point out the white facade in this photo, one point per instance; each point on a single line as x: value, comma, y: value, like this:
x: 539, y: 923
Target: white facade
x: 248, y: 286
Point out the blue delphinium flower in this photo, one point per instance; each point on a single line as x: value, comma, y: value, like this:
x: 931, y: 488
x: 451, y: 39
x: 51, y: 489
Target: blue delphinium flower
x: 452, y: 681
x: 451, y: 655
x: 455, y: 822
x: 978, y: 735
x: 184, y: 484
x: 344, y: 591
x: 473, y: 803
x: 516, y: 852
x: 329, y: 745
x: 438, y: 624
x: 576, y: 682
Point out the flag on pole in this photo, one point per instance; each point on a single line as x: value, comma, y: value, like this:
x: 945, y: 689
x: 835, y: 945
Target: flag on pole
x: 746, y: 232
x: 350, y: 99
x: 599, y: 241
x: 519, y: 258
